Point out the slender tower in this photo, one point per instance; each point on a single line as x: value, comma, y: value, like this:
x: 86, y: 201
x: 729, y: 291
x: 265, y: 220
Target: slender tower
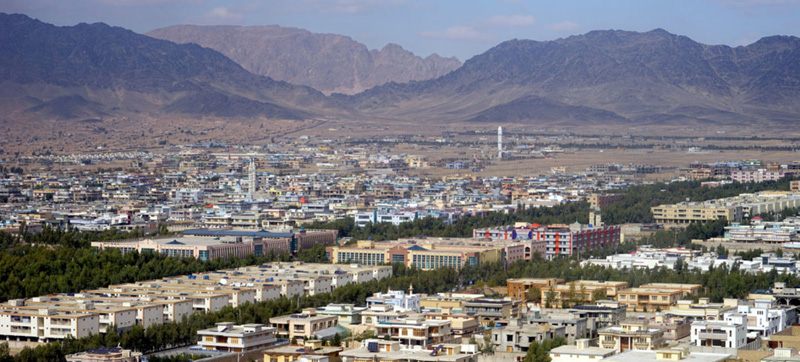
x: 251, y: 178
x: 500, y: 142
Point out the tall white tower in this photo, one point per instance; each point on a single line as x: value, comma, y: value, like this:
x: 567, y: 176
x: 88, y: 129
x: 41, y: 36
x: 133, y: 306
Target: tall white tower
x: 251, y: 178
x: 500, y: 142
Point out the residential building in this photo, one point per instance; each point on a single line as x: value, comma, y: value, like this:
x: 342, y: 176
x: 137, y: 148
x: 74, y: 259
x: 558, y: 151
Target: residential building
x: 674, y: 328
x: 229, y: 337
x: 559, y: 239
x: 489, y: 311
x: 580, y: 352
x: 580, y: 292
x: 732, y: 208
x: 372, y: 350
x: 763, y: 317
x: 688, y: 290
x: 396, y: 298
x: 105, y: 354
x: 632, y: 334
x: 672, y: 354
x: 727, y: 334
x: 703, y: 310
x: 600, y: 315
x: 462, y: 325
x: 649, y: 299
x: 416, y: 331
x: 759, y: 175
x: 347, y: 313
x: 47, y: 325
x: 517, y: 336
x: 302, y: 326
x: 312, y: 347
x: 518, y: 288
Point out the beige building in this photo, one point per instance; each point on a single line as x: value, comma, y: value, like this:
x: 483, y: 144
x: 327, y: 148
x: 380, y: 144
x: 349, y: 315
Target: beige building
x: 227, y: 336
x: 294, y: 354
x: 374, y: 350
x: 106, y: 354
x: 632, y: 335
x: 650, y: 299
x: 580, y: 352
x: 518, y: 288
x: 731, y: 208
x: 413, y: 332
x: 580, y: 291
x: 421, y: 256
x: 689, y: 290
x: 302, y: 326
x: 47, y: 325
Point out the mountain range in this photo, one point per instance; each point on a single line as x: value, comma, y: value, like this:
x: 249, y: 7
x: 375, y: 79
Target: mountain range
x: 326, y: 62
x: 92, y: 70
x: 606, y: 76
x: 602, y: 77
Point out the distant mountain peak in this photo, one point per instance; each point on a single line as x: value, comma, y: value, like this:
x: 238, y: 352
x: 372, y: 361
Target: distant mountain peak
x: 326, y: 62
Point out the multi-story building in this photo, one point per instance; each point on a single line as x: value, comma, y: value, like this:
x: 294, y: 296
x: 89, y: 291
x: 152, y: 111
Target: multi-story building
x: 688, y: 290
x: 462, y: 325
x: 727, y: 334
x: 794, y: 185
x: 558, y: 239
x: 602, y: 200
x: 759, y: 175
x: 518, y: 336
x: 732, y: 208
x: 380, y: 350
x: 702, y: 310
x: 302, y: 326
x: 518, y: 288
x: 580, y: 352
x: 312, y: 347
x: 649, y: 299
x: 580, y: 292
x: 347, y: 313
x: 489, y: 311
x: 416, y: 331
x: 396, y: 298
x: 600, y: 315
x: 229, y: 337
x: 632, y: 335
x: 105, y: 354
x: 675, y: 328
x: 420, y: 256
x: 201, y: 247
x: 762, y: 317
x: 47, y: 325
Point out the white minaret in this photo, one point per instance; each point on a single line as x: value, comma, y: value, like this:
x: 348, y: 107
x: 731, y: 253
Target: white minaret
x: 500, y: 142
x: 251, y: 178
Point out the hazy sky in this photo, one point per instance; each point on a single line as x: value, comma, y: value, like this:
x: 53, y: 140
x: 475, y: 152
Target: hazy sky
x: 461, y: 28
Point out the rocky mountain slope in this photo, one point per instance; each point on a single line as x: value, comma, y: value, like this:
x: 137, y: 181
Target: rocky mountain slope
x: 613, y: 76
x: 326, y: 62
x: 96, y: 70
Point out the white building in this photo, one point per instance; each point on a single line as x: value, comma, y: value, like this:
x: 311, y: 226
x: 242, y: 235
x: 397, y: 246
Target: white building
x: 759, y: 175
x: 726, y: 334
x: 762, y: 318
x: 580, y: 352
x: 47, y: 324
x: 397, y: 299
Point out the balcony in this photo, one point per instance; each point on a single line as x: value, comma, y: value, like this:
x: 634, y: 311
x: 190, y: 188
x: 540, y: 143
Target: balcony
x: 720, y: 336
x: 609, y: 344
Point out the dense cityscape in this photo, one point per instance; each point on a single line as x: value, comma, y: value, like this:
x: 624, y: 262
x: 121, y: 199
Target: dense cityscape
x: 281, y: 181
